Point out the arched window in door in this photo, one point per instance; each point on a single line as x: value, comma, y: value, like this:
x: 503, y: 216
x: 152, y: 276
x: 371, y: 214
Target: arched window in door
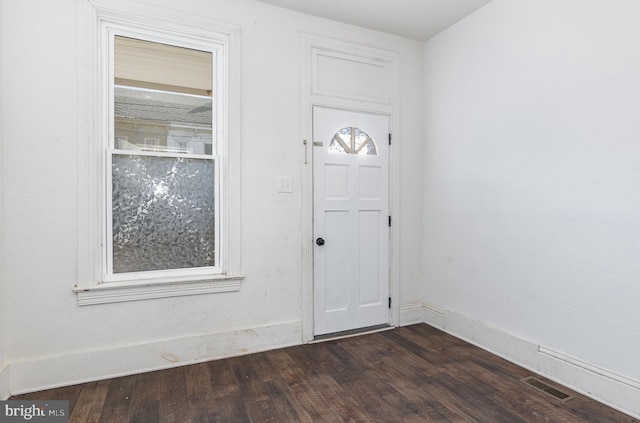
x: 352, y: 140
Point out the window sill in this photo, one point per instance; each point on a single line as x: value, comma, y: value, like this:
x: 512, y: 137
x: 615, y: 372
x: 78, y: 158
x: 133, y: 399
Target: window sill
x: 115, y: 292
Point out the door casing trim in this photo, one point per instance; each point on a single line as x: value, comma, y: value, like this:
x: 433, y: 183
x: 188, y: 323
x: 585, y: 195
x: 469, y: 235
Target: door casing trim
x: 309, y: 100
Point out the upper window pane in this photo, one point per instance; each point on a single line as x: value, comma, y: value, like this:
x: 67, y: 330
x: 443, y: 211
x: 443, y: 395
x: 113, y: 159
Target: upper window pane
x: 162, y: 98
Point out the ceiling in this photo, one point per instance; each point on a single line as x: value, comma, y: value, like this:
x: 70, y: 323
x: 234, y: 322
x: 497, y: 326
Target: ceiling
x: 414, y: 19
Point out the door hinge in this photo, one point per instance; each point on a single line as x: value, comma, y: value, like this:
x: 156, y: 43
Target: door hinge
x: 389, y: 221
x: 389, y: 302
x: 389, y: 138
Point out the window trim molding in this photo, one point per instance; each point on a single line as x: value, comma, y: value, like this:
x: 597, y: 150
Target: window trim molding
x: 90, y: 286
x: 114, y: 292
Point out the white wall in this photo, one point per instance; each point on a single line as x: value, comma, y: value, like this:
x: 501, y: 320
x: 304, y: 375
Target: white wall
x: 4, y: 381
x: 49, y: 340
x: 532, y: 171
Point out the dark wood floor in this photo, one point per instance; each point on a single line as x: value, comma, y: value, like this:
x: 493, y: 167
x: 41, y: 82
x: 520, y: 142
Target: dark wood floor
x: 409, y: 374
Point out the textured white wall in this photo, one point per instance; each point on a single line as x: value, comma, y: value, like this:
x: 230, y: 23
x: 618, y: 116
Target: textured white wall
x: 42, y: 319
x: 410, y: 147
x: 532, y: 172
x: 2, y: 298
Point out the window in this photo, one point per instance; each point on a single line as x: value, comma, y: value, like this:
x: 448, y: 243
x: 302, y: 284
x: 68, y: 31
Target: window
x: 352, y: 141
x: 162, y: 174
x: 166, y: 168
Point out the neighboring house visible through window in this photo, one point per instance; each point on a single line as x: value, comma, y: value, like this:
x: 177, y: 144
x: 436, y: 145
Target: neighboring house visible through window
x: 167, y: 218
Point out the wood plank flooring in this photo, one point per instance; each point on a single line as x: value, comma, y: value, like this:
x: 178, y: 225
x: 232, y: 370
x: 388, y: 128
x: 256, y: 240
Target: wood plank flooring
x: 410, y: 374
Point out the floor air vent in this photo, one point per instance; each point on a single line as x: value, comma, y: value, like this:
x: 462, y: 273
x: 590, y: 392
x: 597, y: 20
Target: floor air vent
x: 541, y: 386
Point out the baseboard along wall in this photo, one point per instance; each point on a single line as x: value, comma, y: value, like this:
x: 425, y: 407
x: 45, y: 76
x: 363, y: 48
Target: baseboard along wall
x: 4, y: 382
x: 87, y: 366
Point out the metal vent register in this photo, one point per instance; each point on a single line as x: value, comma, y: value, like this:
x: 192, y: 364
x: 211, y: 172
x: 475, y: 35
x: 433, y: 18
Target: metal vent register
x: 543, y: 387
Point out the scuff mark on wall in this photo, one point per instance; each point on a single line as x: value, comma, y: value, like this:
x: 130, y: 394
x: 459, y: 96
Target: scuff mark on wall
x: 172, y: 358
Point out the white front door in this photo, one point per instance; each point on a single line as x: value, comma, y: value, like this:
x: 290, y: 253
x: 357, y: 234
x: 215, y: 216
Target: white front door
x: 351, y: 220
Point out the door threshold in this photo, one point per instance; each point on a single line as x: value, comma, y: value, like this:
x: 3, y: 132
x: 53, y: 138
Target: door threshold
x: 350, y: 333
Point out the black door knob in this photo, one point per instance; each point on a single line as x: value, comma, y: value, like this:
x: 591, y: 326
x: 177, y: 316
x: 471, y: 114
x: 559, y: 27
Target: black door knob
x: 320, y: 241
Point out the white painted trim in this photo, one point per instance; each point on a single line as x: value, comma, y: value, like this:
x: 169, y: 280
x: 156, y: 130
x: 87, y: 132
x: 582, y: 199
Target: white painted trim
x: 615, y: 390
x: 411, y: 313
x: 87, y: 366
x: 310, y: 42
x: 115, y: 292
x: 350, y: 56
x: 90, y: 167
x: 306, y: 195
x: 590, y: 367
x: 394, y: 189
x: 4, y: 382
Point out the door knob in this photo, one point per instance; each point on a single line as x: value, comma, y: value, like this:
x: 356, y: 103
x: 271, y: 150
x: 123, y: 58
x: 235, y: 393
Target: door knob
x: 320, y: 241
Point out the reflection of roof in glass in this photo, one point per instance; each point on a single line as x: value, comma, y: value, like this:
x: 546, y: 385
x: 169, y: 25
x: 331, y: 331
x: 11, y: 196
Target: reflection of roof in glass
x: 135, y: 103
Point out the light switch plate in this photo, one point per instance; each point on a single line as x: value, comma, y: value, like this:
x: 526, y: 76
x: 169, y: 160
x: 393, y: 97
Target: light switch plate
x: 285, y: 184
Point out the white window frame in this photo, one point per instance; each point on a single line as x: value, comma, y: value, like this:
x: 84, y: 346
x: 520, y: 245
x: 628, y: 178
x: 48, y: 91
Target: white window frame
x: 99, y: 21
x: 216, y: 47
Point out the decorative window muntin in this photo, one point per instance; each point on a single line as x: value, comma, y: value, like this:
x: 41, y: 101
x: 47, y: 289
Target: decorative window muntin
x: 163, y: 204
x: 352, y: 140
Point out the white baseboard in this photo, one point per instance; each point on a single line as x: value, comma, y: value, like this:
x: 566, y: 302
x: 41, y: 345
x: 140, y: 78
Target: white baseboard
x: 87, y: 366
x: 4, y: 382
x: 605, y: 386
x: 411, y: 313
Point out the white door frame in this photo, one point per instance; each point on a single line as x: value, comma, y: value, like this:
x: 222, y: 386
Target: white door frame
x: 310, y: 99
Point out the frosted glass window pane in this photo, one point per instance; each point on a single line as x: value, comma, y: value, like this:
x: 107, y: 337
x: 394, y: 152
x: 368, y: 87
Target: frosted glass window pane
x: 163, y: 213
x: 360, y: 138
x: 336, y: 147
x: 352, y: 141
